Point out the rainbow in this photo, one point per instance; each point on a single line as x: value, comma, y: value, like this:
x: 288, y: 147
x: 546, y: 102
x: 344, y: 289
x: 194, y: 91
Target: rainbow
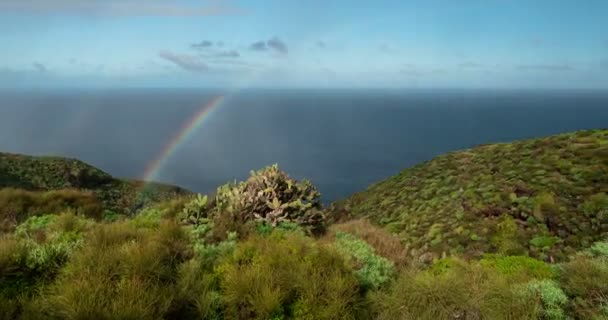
x: 186, y: 131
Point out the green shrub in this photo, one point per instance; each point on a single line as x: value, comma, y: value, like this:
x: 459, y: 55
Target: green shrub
x: 111, y: 216
x: 121, y: 271
x: 519, y: 266
x: 544, y: 242
x: 585, y: 281
x: 507, y: 238
x: 286, y: 275
x: 552, y: 297
x: 599, y: 249
x: 198, y: 295
x: 456, y: 290
x: 372, y: 270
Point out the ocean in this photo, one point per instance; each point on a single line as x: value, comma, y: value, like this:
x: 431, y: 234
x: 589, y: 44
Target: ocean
x: 341, y: 140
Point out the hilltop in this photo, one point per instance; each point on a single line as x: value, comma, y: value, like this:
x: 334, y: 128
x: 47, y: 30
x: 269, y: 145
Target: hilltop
x: 545, y: 197
x: 41, y: 174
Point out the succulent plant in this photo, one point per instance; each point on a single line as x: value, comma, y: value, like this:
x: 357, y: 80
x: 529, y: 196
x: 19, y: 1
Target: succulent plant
x: 196, y: 211
x: 272, y: 197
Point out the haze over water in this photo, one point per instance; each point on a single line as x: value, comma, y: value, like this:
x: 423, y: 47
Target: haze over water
x: 342, y: 140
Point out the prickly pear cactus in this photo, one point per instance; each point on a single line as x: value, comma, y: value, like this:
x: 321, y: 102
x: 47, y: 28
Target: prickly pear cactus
x: 271, y: 196
x: 196, y: 211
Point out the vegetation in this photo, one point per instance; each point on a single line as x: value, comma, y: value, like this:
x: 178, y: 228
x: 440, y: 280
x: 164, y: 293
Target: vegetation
x: 264, y: 248
x: 55, y: 173
x: 543, y: 197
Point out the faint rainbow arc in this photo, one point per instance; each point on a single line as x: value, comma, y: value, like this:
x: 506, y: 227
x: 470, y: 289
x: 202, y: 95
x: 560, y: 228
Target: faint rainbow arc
x: 186, y: 131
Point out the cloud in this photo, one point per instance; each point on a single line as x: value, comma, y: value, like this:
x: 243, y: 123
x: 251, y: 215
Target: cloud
x: 274, y: 43
x: 228, y: 54
x: 545, y: 67
x: 258, y: 46
x: 186, y: 62
x: 278, y: 45
x: 471, y: 65
x: 117, y: 7
x: 39, y: 67
x: 202, y: 45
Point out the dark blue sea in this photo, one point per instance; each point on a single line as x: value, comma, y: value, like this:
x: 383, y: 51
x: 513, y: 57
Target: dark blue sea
x: 342, y: 140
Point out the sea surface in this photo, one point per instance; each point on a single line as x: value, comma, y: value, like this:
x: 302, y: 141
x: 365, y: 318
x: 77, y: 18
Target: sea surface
x: 342, y: 140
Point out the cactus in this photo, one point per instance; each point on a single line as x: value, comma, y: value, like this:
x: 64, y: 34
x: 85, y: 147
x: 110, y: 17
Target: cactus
x: 271, y: 196
x: 196, y: 211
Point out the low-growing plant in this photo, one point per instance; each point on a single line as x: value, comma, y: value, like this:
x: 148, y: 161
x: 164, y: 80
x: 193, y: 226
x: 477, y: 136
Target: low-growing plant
x: 519, y: 266
x: 287, y: 275
x: 552, y: 297
x: 384, y: 243
x: 585, y: 280
x: 372, y: 270
x: 121, y: 271
x: 457, y: 290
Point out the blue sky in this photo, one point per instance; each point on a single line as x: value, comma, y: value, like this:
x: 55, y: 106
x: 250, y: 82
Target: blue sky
x: 307, y: 43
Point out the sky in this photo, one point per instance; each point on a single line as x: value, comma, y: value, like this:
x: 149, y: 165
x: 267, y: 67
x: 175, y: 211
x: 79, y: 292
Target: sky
x: 304, y: 44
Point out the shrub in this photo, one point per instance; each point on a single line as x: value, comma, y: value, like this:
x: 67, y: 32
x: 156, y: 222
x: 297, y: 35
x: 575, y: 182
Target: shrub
x: 372, y: 270
x: 384, y: 243
x: 585, y: 281
x: 552, y: 297
x: 519, y: 266
x: 286, y: 275
x: 17, y: 205
x: 458, y: 291
x: 507, y: 237
x: 197, y: 293
x: 50, y: 240
x: 121, y: 271
x: 599, y: 249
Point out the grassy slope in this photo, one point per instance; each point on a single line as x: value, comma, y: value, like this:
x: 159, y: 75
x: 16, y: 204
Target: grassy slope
x: 52, y: 173
x: 554, y: 188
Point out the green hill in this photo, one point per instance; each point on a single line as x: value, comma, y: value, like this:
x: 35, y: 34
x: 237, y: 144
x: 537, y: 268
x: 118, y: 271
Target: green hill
x: 55, y: 173
x: 546, y: 197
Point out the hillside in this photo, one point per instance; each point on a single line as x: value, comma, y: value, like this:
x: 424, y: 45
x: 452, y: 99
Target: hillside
x: 264, y: 248
x: 55, y: 173
x: 546, y: 197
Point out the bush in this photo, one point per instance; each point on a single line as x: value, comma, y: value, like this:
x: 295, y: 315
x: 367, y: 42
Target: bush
x: 519, y: 266
x: 122, y: 272
x: 599, y: 250
x: 585, y: 281
x: 198, y: 295
x: 458, y: 291
x: 384, y: 243
x: 552, y: 297
x: 507, y: 238
x: 287, y: 275
x: 17, y: 205
x: 372, y: 270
